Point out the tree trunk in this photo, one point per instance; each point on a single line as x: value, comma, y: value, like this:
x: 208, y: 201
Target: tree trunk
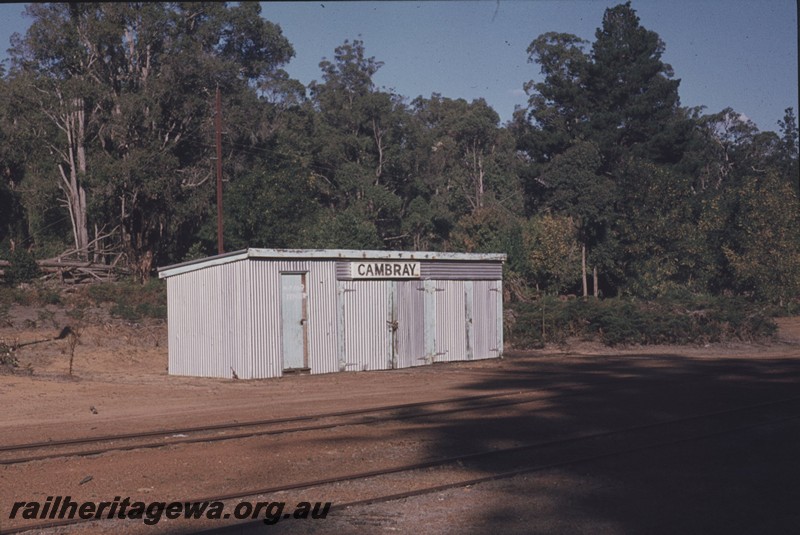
x: 594, y: 275
x: 72, y: 182
x: 378, y: 135
x: 479, y: 181
x: 583, y: 270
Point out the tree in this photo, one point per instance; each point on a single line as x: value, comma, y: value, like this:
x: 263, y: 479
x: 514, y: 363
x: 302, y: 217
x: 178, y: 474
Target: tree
x: 763, y: 248
x: 358, y: 139
x: 559, y: 105
x: 13, y: 151
x: 790, y: 148
x: 56, y: 56
x: 576, y: 188
x: 658, y: 246
x: 593, y: 114
x: 130, y: 87
x: 554, y: 252
x: 463, y: 165
x: 631, y: 93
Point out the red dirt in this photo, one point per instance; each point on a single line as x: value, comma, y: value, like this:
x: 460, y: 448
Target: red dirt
x: 119, y: 384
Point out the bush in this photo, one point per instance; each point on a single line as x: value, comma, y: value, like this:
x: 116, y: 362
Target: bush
x: 684, y: 319
x: 132, y: 301
x: 23, y: 268
x: 7, y: 356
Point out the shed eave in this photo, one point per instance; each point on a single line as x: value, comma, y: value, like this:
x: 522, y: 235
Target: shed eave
x: 323, y: 254
x: 353, y: 254
x: 200, y: 263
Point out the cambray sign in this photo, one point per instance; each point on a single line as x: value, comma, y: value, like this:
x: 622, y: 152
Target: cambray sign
x: 384, y: 270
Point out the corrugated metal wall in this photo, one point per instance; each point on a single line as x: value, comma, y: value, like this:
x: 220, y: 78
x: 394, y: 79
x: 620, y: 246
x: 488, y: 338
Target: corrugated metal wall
x: 444, y: 270
x: 267, y: 337
x: 409, y: 307
x: 451, y: 343
x: 208, y: 320
x: 226, y: 318
x: 367, y: 339
x: 485, y: 309
x: 322, y: 336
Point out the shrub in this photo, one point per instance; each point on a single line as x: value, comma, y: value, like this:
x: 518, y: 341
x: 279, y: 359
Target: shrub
x: 7, y: 356
x: 132, y: 301
x: 684, y: 319
x: 23, y: 267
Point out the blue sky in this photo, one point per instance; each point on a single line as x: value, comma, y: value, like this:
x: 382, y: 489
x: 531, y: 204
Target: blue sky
x: 727, y: 53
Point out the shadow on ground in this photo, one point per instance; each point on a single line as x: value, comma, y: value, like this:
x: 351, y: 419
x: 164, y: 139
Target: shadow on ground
x: 657, y: 478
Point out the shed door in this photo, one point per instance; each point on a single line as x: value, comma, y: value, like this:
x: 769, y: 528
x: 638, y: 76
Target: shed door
x: 367, y: 325
x: 487, y: 312
x: 409, y: 336
x: 293, y: 320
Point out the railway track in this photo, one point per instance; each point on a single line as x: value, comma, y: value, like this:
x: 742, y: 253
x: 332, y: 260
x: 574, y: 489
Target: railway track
x: 44, y: 450
x: 489, y: 465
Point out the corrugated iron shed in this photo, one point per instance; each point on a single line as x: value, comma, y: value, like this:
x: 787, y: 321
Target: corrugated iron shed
x: 261, y: 313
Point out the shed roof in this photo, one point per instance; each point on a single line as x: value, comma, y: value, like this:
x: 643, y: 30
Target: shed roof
x: 324, y: 254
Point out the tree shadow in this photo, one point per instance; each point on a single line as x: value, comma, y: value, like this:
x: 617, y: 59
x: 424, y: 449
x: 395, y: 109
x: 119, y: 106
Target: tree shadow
x: 585, y: 476
x: 747, y: 481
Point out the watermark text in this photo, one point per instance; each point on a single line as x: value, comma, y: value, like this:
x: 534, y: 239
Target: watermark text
x: 151, y: 513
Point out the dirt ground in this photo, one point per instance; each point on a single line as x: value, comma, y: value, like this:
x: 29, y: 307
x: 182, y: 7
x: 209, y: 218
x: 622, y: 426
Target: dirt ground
x: 120, y: 384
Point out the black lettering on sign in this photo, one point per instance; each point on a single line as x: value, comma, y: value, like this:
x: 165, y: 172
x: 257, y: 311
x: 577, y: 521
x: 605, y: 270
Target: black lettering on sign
x: 385, y: 270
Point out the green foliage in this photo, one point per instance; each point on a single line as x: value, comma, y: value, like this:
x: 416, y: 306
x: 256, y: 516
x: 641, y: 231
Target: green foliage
x: 273, y: 209
x: 631, y: 89
x: 344, y: 230
x: 10, y: 296
x: 553, y: 253
x: 23, y: 267
x: 107, y: 123
x: 139, y: 81
x: 132, y: 301
x: 656, y: 232
x: 765, y: 254
x: 48, y: 295
x: 676, y: 319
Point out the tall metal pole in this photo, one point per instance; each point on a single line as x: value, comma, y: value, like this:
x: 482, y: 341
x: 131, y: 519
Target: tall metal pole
x: 220, y: 247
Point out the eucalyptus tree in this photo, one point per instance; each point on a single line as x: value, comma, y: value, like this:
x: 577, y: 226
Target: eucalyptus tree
x: 577, y: 188
x: 748, y: 195
x: 125, y: 94
x: 789, y: 152
x: 762, y: 246
x: 464, y: 164
x: 14, y: 227
x: 357, y: 152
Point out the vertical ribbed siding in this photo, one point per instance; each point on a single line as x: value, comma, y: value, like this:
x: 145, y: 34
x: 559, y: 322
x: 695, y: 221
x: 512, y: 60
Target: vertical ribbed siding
x: 236, y: 313
x: 485, y: 297
x: 226, y: 317
x: 322, y: 338
x: 208, y: 320
x: 450, y: 321
x: 176, y: 333
x: 265, y: 339
x: 321, y: 306
x: 366, y: 332
x: 469, y: 335
x: 409, y: 307
x: 498, y: 286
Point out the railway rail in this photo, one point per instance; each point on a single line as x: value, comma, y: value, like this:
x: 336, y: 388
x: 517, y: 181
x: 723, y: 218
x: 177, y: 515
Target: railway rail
x: 503, y: 463
x: 43, y: 450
